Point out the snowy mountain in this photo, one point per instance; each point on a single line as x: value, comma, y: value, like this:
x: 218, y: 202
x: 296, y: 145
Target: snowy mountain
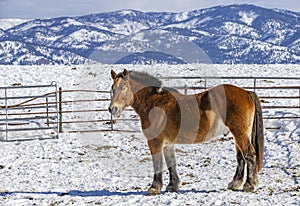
x: 224, y: 34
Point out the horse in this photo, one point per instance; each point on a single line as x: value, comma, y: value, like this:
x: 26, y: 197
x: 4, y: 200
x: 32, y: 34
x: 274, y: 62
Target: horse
x: 169, y: 117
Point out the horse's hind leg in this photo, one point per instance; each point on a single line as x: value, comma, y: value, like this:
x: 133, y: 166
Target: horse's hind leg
x: 248, y: 152
x: 252, y: 179
x: 157, y: 158
x: 171, y: 164
x: 238, y: 178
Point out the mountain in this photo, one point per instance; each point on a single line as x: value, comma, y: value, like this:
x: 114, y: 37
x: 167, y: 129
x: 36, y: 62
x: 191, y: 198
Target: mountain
x: 224, y: 34
x: 149, y: 58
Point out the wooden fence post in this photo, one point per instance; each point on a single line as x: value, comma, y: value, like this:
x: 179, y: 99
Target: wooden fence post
x: 60, y: 110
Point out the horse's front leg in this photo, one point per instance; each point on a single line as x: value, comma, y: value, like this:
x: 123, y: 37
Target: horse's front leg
x: 171, y: 164
x: 155, y: 147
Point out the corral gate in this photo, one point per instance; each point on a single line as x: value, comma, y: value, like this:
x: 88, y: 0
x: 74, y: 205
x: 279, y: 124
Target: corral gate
x: 28, y: 112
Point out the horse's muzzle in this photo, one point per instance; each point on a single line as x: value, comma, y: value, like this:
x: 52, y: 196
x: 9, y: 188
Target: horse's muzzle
x: 115, y: 111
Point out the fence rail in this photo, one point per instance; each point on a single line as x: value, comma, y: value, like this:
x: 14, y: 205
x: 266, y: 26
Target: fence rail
x: 55, y: 110
x: 255, y: 87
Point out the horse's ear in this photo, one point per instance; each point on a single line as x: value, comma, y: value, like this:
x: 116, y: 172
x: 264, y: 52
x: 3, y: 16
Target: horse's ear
x: 125, y: 74
x: 113, y: 74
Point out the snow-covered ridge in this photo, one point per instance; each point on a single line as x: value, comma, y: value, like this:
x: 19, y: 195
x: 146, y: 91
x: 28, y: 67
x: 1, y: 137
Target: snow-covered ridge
x: 206, y: 28
x: 9, y: 23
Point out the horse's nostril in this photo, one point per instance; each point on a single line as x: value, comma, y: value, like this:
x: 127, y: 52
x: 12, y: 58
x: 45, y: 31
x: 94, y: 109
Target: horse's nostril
x: 113, y: 110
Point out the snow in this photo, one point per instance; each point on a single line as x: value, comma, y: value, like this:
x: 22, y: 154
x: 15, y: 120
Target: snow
x: 248, y: 17
x: 111, y: 168
x: 72, y: 21
x: 202, y: 21
x: 80, y: 39
x: 139, y: 37
x: 127, y: 12
x: 6, y: 24
x: 277, y: 32
x: 128, y: 27
x: 181, y: 16
x: 189, y: 24
x: 240, y: 30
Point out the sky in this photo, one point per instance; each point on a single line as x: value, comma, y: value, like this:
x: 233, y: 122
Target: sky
x: 32, y: 9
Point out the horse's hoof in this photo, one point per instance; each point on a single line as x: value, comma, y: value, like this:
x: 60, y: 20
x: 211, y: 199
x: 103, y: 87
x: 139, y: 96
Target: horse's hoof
x: 248, y: 187
x: 235, y: 185
x: 172, y: 188
x: 153, y: 191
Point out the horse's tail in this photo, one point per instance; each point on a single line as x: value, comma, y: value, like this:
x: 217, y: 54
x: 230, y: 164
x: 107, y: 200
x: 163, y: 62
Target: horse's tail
x: 257, y: 138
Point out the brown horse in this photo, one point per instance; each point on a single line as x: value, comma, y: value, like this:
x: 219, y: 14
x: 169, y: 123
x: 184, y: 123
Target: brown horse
x: 168, y: 118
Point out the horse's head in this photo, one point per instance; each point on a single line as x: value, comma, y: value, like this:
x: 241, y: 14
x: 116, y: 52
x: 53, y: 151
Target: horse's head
x: 122, y: 95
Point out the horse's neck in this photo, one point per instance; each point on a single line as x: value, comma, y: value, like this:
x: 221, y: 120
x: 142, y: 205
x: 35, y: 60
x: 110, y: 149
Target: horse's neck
x: 135, y: 86
x: 141, y: 96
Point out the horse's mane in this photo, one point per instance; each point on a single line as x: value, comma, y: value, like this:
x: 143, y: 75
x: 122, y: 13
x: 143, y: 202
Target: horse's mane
x: 145, y: 79
x: 150, y: 81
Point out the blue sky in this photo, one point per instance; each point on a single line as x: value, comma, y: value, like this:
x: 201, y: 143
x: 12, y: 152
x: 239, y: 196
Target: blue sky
x: 29, y: 9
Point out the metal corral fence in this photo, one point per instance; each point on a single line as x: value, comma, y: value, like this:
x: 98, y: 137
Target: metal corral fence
x: 279, y: 102
x: 27, y: 112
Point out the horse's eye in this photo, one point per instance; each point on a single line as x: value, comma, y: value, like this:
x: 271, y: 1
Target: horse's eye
x: 124, y: 88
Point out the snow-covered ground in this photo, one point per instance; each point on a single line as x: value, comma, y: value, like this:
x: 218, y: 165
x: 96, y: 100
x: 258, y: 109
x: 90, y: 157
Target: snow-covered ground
x: 112, y: 168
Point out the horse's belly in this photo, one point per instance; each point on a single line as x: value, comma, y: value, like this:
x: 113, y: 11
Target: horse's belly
x: 215, y: 129
x: 218, y: 128
x: 202, y: 131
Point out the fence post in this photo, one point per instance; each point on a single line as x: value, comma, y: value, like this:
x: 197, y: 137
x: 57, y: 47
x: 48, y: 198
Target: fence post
x: 254, y: 84
x: 47, y: 110
x: 185, y: 89
x: 6, y: 114
x: 60, y: 130
x: 111, y: 117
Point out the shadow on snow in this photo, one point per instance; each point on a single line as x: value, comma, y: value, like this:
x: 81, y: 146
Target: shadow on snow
x: 101, y: 193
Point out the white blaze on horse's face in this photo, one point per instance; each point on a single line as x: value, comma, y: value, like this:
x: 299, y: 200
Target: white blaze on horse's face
x: 122, y: 96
